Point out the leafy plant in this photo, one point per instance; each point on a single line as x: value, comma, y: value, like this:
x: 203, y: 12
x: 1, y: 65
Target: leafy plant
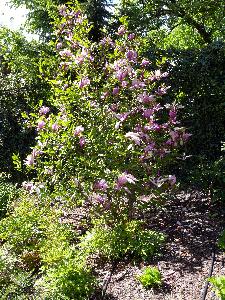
x: 37, y: 256
x: 122, y: 239
x: 8, y: 192
x: 219, y: 284
x: 151, y: 277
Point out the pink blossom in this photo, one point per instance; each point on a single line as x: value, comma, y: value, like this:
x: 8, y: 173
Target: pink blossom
x: 136, y: 83
x: 64, y: 65
x: 174, y: 135
x: 66, y: 53
x: 131, y: 36
x: 123, y: 116
x: 172, y: 179
x: 145, y: 62
x: 59, y: 46
x: 124, y: 179
x: 114, y: 107
x: 101, y: 185
x: 29, y: 160
x: 145, y: 98
x: 131, y: 55
x: 173, y: 113
x: 62, y: 10
x: 156, y: 127
x: 78, y: 130
x: 82, y: 142
x: 148, y: 113
x: 162, y: 90
x: 41, y: 125
x: 186, y: 136
x: 120, y: 75
x: 36, y: 152
x: 44, y: 110
x: 84, y: 82
x: 149, y: 147
x: 134, y: 136
x: 121, y: 30
x: 55, y: 127
x: 124, y: 83
x: 115, y: 90
x: 29, y: 186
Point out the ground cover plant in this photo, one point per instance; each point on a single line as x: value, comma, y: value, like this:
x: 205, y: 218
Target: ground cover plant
x: 150, y: 277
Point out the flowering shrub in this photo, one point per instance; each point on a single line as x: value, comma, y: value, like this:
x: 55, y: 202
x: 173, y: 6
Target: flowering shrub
x: 110, y: 134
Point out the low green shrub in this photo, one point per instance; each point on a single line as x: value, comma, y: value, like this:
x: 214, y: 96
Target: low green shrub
x: 122, y: 239
x: 219, y: 286
x: 151, y: 277
x: 37, y: 257
x: 8, y: 192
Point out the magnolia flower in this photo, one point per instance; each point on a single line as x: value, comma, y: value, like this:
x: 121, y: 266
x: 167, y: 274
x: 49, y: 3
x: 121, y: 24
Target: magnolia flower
x: 82, y: 142
x: 149, y: 147
x: 78, y: 130
x: 120, y: 75
x: 174, y: 135
x: 29, y: 186
x: 59, y: 46
x: 66, y: 53
x: 62, y: 10
x: 124, y: 179
x: 55, y: 127
x: 185, y: 136
x: 84, y: 82
x: 41, y: 125
x: 162, y: 90
x: 101, y: 185
x: 104, y: 95
x: 131, y: 36
x: 134, y: 137
x: 124, y: 83
x: 36, y: 152
x: 145, y: 98
x: 121, y: 30
x: 172, y: 179
x: 148, y: 113
x: 115, y: 90
x: 29, y: 160
x: 136, y: 83
x: 44, y: 110
x: 131, y: 55
x: 145, y: 62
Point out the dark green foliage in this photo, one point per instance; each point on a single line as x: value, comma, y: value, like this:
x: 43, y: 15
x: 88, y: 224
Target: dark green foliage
x: 151, y: 277
x: 203, y: 19
x: 21, y: 88
x: 42, y: 13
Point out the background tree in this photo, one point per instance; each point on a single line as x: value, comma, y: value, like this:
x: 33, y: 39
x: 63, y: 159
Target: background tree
x: 21, y: 88
x: 42, y: 13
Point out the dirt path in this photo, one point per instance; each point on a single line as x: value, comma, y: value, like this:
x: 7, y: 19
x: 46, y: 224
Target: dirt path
x: 192, y: 224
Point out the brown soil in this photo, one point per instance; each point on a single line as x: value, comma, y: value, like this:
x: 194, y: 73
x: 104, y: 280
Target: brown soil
x: 192, y: 224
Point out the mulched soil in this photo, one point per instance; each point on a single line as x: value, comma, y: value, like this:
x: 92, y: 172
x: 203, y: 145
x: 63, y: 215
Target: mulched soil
x: 192, y: 224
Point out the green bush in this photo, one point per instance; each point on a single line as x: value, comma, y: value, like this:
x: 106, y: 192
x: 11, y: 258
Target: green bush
x: 122, y: 239
x: 219, y: 286
x: 150, y: 277
x: 7, y: 193
x: 37, y: 256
